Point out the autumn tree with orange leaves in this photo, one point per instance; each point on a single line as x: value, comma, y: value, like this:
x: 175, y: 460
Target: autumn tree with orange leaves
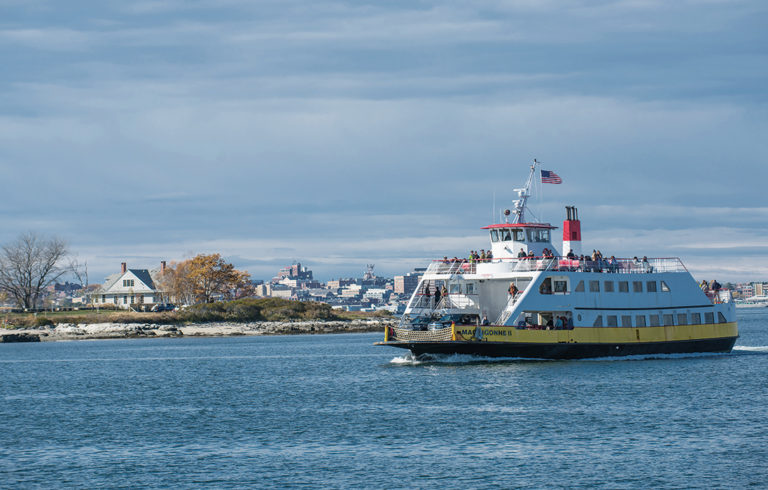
x: 200, y: 279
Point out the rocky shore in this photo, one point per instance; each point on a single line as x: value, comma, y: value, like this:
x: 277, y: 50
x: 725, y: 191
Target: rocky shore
x: 67, y: 331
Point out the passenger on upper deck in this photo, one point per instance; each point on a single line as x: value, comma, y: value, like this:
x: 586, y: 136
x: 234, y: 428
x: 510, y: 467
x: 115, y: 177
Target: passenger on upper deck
x: 704, y: 287
x: 521, y: 254
x: 571, y: 255
x: 613, y: 264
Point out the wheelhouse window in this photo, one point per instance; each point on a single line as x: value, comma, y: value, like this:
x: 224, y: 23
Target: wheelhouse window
x: 561, y: 287
x: 651, y: 285
x: 721, y: 318
x: 664, y: 287
x: 518, y: 235
x: 580, y: 287
x: 505, y: 235
x: 623, y: 286
x: 494, y: 235
x: 536, y: 235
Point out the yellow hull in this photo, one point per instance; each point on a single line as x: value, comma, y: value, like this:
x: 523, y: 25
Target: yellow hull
x: 599, y: 335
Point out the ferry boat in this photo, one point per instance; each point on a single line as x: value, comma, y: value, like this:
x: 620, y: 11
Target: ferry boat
x: 753, y: 302
x: 530, y: 301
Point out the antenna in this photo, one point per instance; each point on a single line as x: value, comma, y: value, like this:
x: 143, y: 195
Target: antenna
x: 522, y: 196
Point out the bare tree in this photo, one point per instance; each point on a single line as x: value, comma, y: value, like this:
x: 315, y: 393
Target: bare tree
x: 80, y: 271
x: 28, y: 265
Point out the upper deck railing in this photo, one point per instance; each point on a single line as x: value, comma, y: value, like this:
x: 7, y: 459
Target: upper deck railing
x: 619, y: 266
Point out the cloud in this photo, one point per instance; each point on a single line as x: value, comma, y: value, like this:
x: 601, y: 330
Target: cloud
x: 51, y: 39
x: 340, y: 132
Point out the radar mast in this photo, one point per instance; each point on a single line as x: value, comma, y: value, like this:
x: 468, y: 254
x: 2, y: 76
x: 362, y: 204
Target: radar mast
x: 522, y: 196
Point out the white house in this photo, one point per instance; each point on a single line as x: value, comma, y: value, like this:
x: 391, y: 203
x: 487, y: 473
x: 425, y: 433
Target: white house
x: 131, y: 288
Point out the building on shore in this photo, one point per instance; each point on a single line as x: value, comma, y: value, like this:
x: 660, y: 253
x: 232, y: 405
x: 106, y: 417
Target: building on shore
x: 136, y: 289
x: 405, y: 285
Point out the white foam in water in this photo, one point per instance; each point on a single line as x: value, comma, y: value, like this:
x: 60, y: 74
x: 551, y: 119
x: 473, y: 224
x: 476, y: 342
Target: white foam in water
x: 411, y: 360
x: 752, y: 348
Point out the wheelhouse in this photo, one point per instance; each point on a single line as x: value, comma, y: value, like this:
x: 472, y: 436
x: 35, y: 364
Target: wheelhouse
x: 508, y: 239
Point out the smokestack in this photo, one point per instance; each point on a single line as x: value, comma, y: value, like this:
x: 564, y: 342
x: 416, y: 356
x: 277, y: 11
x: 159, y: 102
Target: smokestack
x: 571, y: 231
x: 123, y: 267
x: 162, y: 267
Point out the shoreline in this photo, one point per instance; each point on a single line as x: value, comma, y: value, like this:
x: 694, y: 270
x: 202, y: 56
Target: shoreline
x: 100, y: 331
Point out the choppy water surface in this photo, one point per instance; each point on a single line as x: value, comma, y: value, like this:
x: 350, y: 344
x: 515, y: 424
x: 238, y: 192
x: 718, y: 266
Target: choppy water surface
x: 334, y: 411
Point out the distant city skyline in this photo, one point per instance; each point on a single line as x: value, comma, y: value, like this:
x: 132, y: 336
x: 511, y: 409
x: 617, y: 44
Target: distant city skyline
x: 339, y: 134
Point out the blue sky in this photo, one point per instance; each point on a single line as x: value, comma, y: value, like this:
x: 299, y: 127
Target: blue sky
x: 344, y: 133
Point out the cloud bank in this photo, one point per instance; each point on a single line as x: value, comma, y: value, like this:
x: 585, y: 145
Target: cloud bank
x: 340, y: 133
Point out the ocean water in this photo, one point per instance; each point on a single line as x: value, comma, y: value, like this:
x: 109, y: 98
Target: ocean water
x: 334, y: 411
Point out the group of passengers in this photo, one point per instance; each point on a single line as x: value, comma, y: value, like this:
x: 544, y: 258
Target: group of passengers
x: 482, y: 256
x: 712, y: 285
x: 545, y: 254
x: 559, y: 323
x: 473, y: 257
x: 595, y: 262
x: 598, y: 263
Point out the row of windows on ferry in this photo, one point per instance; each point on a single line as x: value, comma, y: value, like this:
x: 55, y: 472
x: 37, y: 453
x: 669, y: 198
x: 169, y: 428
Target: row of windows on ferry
x: 549, y: 286
x: 666, y: 320
x: 534, y: 235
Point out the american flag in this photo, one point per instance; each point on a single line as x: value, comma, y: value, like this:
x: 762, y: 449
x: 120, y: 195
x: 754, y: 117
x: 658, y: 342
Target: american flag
x: 549, y: 177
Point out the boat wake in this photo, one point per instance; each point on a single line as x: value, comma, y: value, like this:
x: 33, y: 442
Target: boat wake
x: 446, y: 359
x: 411, y: 360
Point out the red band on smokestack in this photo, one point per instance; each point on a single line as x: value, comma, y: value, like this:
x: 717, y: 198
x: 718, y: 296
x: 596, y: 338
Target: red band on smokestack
x: 572, y: 230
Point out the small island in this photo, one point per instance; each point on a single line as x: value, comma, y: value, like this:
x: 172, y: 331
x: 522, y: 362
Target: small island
x: 250, y: 316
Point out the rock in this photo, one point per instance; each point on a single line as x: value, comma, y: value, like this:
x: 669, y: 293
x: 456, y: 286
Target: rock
x: 19, y: 337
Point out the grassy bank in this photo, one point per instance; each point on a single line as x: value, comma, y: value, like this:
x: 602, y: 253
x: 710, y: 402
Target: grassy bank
x: 243, y: 310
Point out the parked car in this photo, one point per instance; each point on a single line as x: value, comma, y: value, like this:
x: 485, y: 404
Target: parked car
x: 164, y: 307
